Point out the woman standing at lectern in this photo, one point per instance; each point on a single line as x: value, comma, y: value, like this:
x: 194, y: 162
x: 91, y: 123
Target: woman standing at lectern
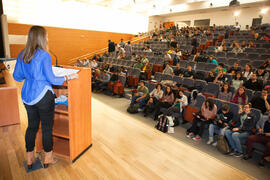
x: 34, y: 66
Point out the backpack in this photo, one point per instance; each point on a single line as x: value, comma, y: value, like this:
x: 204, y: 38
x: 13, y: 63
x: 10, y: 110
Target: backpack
x: 162, y: 124
x: 133, y: 109
x: 222, y: 145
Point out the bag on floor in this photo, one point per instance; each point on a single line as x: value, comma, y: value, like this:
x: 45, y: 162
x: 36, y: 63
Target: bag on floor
x: 163, y: 123
x: 133, y: 109
x: 222, y: 145
x: 118, y: 88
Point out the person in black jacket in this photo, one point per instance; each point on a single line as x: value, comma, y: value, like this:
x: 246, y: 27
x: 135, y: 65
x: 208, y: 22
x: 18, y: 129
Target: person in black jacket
x: 240, y: 129
x: 253, y: 83
x: 224, y: 116
x: 111, y: 47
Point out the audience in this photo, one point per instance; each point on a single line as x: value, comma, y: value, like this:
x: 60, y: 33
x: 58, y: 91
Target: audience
x: 154, y: 97
x: 262, y: 74
x: 167, y: 58
x: 240, y: 96
x: 213, y: 60
x: 263, y: 137
x: 240, y: 130
x: 189, y: 73
x: 220, y: 124
x: 101, y: 82
x: 128, y: 49
x: 247, y: 73
x: 210, y: 77
x: 178, y: 71
x: 168, y: 70
x: 207, y: 114
x: 261, y: 102
x: 140, y: 96
x: 165, y: 102
x: 253, y: 83
x: 237, y: 80
x: 225, y: 93
x: 233, y: 70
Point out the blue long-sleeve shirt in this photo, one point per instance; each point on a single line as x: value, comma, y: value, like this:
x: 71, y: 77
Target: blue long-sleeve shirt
x: 38, y: 76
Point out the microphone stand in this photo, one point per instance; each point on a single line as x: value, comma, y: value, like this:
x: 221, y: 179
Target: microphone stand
x: 56, y: 60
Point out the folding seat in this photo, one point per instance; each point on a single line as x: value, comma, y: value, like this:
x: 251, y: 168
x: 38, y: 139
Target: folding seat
x: 257, y: 93
x: 199, y: 101
x: 188, y: 83
x: 257, y: 63
x: 199, y: 84
x: 261, y: 50
x: 267, y: 46
x: 200, y: 66
x: 241, y: 56
x: 122, y: 79
x: 211, y: 52
x: 200, y: 74
x: 257, y: 113
x: 231, y: 61
x: 183, y: 64
x: 253, y: 56
x: 249, y: 93
x: 249, y: 50
x: 166, y: 77
x: 211, y: 90
x: 209, y: 67
x: 157, y: 76
x: 230, y: 55
x: 178, y: 80
x: 243, y: 62
x: 151, y: 87
x: 232, y: 89
x: 222, y: 60
x: 265, y: 56
x: 221, y: 54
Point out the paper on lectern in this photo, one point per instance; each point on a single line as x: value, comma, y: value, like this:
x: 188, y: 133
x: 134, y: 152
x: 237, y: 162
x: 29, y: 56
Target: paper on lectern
x: 58, y: 71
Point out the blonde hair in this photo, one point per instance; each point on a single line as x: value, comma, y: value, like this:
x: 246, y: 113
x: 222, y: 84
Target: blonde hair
x: 37, y: 39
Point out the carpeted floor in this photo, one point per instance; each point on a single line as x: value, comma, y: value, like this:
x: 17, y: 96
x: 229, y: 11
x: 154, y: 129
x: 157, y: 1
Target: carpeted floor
x: 249, y: 166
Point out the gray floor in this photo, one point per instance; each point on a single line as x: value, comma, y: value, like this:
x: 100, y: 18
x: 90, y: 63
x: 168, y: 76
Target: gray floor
x: 249, y: 166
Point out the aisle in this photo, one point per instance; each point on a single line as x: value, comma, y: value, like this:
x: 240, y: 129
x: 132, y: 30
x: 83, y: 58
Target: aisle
x: 123, y: 148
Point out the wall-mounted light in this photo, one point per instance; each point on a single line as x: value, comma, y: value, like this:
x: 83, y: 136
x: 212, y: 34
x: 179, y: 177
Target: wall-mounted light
x: 236, y: 13
x: 264, y: 10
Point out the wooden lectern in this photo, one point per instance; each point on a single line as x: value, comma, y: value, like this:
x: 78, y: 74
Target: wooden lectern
x: 72, y: 131
x: 9, y: 110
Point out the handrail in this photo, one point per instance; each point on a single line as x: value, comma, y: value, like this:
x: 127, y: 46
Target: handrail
x: 100, y: 51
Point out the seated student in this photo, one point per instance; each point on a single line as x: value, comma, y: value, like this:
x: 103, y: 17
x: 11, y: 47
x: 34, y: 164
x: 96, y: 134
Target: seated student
x: 196, y: 57
x: 168, y: 69
x: 261, y: 102
x: 140, y: 96
x: 237, y: 80
x: 154, y: 97
x: 240, y: 96
x: 93, y: 64
x: 243, y: 45
x: 147, y: 49
x: 208, y: 113
x: 144, y: 59
x: 212, y: 60
x: 111, y: 68
x: 263, y: 137
x: 253, y: 83
x: 225, y: 93
x: 178, y: 71
x: 189, y: 73
x: 240, y: 129
x: 167, y: 57
x: 251, y: 45
x: 233, y: 70
x: 210, y: 77
x: 236, y: 48
x: 262, y: 74
x: 179, y: 102
x: 146, y: 69
x: 105, y: 66
x: 102, y: 81
x: 247, y: 73
x: 138, y: 64
x: 221, y: 68
x: 220, y: 78
x: 165, y: 102
x: 220, y: 124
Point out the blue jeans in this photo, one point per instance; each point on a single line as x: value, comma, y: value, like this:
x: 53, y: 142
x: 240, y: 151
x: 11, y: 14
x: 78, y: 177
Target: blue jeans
x: 214, y: 128
x: 141, y: 102
x: 234, y: 139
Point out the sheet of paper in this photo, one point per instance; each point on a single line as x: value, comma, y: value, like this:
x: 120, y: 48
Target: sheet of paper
x: 58, y: 71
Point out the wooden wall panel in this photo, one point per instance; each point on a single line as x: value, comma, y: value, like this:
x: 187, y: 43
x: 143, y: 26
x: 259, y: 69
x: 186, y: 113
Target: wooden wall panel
x: 68, y: 43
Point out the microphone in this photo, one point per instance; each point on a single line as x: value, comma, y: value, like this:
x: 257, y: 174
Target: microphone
x: 56, y: 60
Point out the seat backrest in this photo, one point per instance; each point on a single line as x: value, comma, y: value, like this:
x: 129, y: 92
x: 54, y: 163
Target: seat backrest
x: 188, y: 83
x: 211, y: 88
x: 178, y: 79
x: 257, y: 114
x: 199, y: 101
x: 199, y: 84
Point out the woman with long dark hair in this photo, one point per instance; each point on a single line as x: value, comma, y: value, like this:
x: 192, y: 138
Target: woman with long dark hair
x: 240, y: 96
x: 166, y: 101
x: 34, y: 67
x: 208, y: 113
x: 225, y: 93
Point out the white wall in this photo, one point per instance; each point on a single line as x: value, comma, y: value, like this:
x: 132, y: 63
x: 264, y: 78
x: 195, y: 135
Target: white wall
x: 225, y: 17
x: 72, y: 14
